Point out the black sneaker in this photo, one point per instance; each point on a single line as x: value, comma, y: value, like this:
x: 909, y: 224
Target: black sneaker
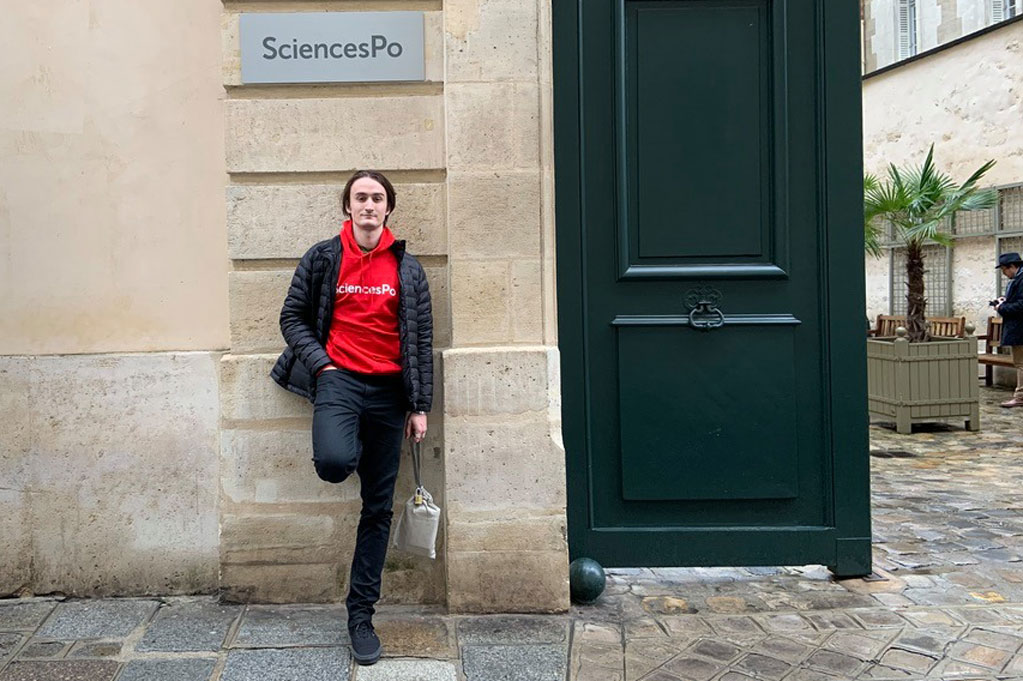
x: 365, y: 644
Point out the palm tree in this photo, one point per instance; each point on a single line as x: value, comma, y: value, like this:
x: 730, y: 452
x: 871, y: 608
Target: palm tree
x: 918, y: 202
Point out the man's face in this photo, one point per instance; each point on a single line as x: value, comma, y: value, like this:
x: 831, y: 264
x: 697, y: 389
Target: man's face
x: 1009, y: 271
x: 368, y: 204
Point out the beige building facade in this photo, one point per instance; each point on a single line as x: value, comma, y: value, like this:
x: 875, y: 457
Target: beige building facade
x: 152, y: 211
x: 965, y: 100
x: 894, y: 30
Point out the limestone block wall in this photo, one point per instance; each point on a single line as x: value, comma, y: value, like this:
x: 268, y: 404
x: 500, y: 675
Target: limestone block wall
x: 505, y: 461
x: 470, y: 152
x: 285, y: 534
x: 114, y: 305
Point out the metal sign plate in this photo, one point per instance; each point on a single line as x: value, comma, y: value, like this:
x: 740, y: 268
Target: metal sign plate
x: 331, y: 47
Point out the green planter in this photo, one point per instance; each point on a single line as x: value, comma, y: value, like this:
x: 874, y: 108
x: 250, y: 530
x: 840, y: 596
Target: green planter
x: 916, y: 382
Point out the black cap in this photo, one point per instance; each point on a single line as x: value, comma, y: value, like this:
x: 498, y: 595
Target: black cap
x: 1009, y: 259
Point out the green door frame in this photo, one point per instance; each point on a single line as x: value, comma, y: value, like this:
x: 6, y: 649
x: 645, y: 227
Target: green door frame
x: 844, y: 546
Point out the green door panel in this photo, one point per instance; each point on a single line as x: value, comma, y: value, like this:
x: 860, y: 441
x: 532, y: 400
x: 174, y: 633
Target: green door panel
x: 707, y: 161
x: 695, y: 112
x: 738, y: 441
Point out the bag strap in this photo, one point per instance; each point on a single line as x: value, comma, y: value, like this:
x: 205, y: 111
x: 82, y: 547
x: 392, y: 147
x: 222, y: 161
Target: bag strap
x: 415, y: 449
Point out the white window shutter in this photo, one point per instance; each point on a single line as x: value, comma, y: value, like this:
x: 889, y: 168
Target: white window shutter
x: 904, y: 28
x: 998, y: 10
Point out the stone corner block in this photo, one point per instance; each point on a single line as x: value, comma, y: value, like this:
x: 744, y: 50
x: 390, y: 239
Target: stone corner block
x: 501, y: 380
x: 526, y: 582
x: 284, y: 220
x: 480, y: 306
x: 494, y: 212
x: 479, y: 30
x: 312, y: 583
x: 248, y: 393
x: 493, y: 126
x: 255, y: 301
x: 329, y: 134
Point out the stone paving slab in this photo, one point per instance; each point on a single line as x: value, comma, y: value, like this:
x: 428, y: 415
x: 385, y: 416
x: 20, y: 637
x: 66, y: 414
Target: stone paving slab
x: 168, y: 670
x: 43, y: 649
x: 113, y: 618
x: 294, y: 664
x: 514, y: 662
x: 60, y: 670
x: 23, y: 615
x: 96, y: 649
x: 9, y: 642
x: 407, y: 670
x: 415, y: 636
x: 504, y: 629
x: 292, y: 625
x: 189, y: 626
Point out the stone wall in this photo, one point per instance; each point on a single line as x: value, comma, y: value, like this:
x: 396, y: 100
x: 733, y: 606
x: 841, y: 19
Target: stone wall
x: 152, y: 211
x: 469, y: 150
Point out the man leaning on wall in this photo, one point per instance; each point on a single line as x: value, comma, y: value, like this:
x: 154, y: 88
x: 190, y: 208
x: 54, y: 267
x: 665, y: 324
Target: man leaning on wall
x: 359, y: 329
x: 1010, y: 307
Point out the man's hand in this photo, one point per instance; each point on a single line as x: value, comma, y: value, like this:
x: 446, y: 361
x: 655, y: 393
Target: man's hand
x: 415, y: 427
x: 1000, y: 299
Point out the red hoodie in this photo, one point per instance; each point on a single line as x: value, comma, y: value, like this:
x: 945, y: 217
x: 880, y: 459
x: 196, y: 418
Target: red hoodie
x: 364, y: 330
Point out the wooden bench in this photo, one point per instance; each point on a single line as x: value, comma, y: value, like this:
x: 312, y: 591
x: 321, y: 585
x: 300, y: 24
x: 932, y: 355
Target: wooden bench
x: 992, y: 357
x: 943, y: 327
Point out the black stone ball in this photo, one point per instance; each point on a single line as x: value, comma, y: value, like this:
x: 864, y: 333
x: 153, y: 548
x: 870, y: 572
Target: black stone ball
x: 586, y: 580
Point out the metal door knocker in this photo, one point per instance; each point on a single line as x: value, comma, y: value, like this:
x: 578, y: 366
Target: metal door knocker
x: 703, y: 308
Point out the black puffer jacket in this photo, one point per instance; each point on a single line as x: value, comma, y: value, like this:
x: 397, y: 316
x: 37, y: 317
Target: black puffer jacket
x: 309, y: 310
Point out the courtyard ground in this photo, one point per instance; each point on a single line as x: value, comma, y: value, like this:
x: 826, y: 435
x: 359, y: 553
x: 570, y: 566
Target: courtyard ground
x: 946, y: 603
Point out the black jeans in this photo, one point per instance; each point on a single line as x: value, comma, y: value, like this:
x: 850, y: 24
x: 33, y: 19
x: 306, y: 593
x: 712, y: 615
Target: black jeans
x: 358, y: 423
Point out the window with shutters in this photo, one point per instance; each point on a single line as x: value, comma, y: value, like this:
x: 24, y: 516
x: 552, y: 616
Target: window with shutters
x: 907, y: 27
x: 1005, y: 9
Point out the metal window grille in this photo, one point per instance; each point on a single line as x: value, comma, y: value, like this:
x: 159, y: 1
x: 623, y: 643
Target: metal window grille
x: 1011, y: 205
x: 1007, y: 244
x: 975, y: 222
x: 937, y: 281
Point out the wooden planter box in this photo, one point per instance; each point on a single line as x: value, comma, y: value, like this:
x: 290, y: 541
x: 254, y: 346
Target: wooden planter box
x: 915, y: 382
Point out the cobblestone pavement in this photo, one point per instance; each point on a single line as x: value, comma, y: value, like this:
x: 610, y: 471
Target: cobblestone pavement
x: 948, y: 525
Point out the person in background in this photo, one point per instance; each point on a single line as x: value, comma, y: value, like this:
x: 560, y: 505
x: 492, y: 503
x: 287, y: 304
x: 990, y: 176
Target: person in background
x: 1010, y: 307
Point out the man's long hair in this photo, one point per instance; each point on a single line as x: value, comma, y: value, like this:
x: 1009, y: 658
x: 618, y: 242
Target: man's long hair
x: 346, y: 195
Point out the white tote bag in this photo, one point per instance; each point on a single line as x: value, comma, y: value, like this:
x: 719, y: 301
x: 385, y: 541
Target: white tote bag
x: 416, y: 531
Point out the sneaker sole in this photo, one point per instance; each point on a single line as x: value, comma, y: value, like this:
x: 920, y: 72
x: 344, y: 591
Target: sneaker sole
x: 367, y: 660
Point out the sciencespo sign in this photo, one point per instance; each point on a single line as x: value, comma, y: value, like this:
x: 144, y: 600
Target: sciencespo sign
x: 331, y: 47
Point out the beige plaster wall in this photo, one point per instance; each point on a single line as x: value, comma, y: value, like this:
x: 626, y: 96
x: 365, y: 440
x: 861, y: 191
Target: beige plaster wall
x: 966, y: 100
x: 111, y: 188
x: 878, y: 276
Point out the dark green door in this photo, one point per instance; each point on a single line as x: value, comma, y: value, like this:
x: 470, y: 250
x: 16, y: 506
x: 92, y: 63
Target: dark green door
x: 710, y: 281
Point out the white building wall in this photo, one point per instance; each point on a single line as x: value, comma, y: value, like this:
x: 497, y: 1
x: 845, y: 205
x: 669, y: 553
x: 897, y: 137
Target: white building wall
x: 928, y: 13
